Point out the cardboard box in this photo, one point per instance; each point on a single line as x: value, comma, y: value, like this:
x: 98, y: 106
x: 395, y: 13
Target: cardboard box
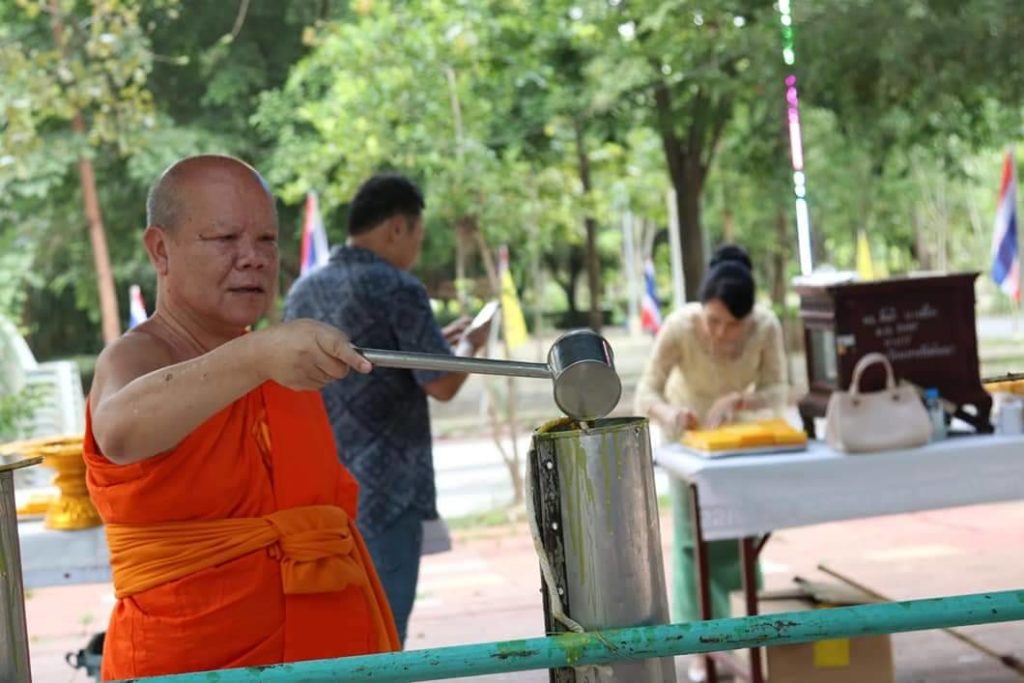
x: 866, y: 659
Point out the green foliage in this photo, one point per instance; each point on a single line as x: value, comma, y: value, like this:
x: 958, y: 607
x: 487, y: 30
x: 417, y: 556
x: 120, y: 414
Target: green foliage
x: 906, y: 106
x: 17, y: 408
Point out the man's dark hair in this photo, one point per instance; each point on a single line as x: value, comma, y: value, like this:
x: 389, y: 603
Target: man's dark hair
x: 730, y: 280
x: 381, y: 197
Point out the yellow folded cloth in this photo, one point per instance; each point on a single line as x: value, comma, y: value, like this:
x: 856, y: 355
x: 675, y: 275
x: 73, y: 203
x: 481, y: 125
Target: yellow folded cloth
x: 762, y: 433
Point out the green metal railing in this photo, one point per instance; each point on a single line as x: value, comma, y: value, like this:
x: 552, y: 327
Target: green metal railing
x: 634, y: 643
x: 596, y: 648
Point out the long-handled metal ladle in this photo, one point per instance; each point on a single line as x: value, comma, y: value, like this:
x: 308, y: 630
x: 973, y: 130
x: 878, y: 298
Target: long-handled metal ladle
x: 580, y: 364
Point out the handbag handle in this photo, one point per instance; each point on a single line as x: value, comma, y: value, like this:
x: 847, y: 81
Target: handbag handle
x: 867, y: 361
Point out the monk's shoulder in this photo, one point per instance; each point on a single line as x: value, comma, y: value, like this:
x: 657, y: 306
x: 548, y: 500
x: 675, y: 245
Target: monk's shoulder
x: 138, y: 352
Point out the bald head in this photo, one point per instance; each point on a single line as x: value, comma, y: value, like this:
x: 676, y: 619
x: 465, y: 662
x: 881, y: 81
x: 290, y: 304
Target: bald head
x: 167, y: 202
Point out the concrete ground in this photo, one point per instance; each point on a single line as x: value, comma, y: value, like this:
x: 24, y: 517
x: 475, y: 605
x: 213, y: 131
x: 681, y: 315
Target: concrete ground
x: 487, y: 588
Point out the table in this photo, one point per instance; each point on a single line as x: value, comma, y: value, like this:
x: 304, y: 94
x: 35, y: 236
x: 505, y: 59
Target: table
x: 746, y: 497
x: 59, y: 558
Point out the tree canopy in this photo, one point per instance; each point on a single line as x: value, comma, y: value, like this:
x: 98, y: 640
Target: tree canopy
x: 535, y: 124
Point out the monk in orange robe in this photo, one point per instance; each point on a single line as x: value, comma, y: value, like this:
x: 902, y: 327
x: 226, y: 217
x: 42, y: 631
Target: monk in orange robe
x: 230, y: 521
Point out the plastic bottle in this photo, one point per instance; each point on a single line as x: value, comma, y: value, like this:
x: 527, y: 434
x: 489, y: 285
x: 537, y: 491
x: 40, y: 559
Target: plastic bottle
x: 935, y: 413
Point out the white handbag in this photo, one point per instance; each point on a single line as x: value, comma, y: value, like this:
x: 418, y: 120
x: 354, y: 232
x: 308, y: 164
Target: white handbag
x: 884, y: 420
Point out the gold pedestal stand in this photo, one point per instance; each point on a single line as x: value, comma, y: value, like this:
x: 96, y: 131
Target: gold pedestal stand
x: 72, y: 509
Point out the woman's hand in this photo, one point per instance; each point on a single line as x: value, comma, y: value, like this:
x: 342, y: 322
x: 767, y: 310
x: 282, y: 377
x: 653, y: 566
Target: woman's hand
x: 685, y: 419
x: 724, y: 410
x: 677, y: 418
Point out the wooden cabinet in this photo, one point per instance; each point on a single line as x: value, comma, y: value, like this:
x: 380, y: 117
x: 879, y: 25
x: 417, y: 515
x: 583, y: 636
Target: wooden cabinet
x: 925, y: 325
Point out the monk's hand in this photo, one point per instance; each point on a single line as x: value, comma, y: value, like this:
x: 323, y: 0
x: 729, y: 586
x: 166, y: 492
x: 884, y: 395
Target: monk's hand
x: 308, y: 354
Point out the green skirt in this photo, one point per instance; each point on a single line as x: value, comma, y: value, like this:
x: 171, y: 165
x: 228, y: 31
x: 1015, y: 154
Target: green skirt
x: 726, y: 574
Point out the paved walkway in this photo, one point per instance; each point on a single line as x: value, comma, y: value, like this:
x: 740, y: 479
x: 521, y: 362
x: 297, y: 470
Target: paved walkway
x: 487, y: 588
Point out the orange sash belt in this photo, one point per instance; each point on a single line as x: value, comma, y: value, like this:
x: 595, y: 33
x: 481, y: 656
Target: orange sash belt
x: 320, y: 551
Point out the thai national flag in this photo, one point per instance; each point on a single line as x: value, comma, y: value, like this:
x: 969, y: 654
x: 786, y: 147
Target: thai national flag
x: 650, y: 308
x: 1005, y: 253
x: 314, y: 239
x: 136, y: 306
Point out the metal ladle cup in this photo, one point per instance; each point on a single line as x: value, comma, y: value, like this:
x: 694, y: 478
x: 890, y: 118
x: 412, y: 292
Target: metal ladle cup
x: 580, y: 363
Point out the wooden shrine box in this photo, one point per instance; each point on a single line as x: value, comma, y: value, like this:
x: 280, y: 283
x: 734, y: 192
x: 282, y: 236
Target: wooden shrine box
x: 925, y: 325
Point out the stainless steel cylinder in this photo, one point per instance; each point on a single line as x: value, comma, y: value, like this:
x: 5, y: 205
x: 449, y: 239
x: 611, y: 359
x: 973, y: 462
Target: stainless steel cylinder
x: 14, y: 660
x: 601, y: 532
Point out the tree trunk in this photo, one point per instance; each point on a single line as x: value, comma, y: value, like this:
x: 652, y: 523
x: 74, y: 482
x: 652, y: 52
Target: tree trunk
x: 569, y: 288
x: 687, y: 175
x: 728, y: 226
x: 922, y: 251
x: 572, y: 267
x: 688, y: 200
x: 463, y: 245
x: 512, y: 461
x: 109, y: 316
x: 593, y: 263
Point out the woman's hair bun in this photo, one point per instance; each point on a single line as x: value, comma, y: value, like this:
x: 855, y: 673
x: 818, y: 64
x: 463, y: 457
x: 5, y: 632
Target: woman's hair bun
x: 731, y: 253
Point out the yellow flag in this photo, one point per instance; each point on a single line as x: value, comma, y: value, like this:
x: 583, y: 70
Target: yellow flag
x: 512, y: 320
x: 865, y: 266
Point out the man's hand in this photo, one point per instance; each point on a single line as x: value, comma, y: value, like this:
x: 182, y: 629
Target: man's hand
x: 453, y: 331
x: 724, y: 410
x: 307, y: 354
x: 477, y: 337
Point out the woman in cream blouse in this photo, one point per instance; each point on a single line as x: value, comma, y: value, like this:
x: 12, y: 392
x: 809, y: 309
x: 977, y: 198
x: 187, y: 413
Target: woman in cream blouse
x: 714, y: 362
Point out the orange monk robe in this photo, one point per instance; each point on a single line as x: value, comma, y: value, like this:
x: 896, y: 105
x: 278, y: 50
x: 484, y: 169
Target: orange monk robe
x: 272, y: 450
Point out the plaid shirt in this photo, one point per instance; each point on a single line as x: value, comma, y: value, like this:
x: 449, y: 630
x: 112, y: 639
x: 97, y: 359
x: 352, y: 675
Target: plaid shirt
x: 381, y: 420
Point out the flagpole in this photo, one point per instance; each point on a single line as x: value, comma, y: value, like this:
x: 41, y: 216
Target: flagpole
x: 676, y: 247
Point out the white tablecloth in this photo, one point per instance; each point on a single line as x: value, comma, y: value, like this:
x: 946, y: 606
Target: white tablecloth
x: 54, y: 558
x: 751, y: 495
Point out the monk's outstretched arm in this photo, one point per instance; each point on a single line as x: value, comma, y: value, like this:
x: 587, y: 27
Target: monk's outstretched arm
x: 143, y: 403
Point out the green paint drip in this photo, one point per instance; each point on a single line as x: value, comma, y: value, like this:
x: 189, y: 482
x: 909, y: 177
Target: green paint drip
x: 574, y: 645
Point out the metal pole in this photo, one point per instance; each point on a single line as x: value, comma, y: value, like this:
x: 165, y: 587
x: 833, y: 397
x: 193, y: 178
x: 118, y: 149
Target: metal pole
x: 748, y: 556
x: 700, y: 553
x: 413, y: 360
x: 14, y: 662
x: 676, y: 247
x: 803, y: 215
x: 641, y: 642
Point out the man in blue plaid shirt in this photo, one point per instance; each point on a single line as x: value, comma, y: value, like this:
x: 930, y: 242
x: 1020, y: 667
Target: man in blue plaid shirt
x: 381, y: 420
